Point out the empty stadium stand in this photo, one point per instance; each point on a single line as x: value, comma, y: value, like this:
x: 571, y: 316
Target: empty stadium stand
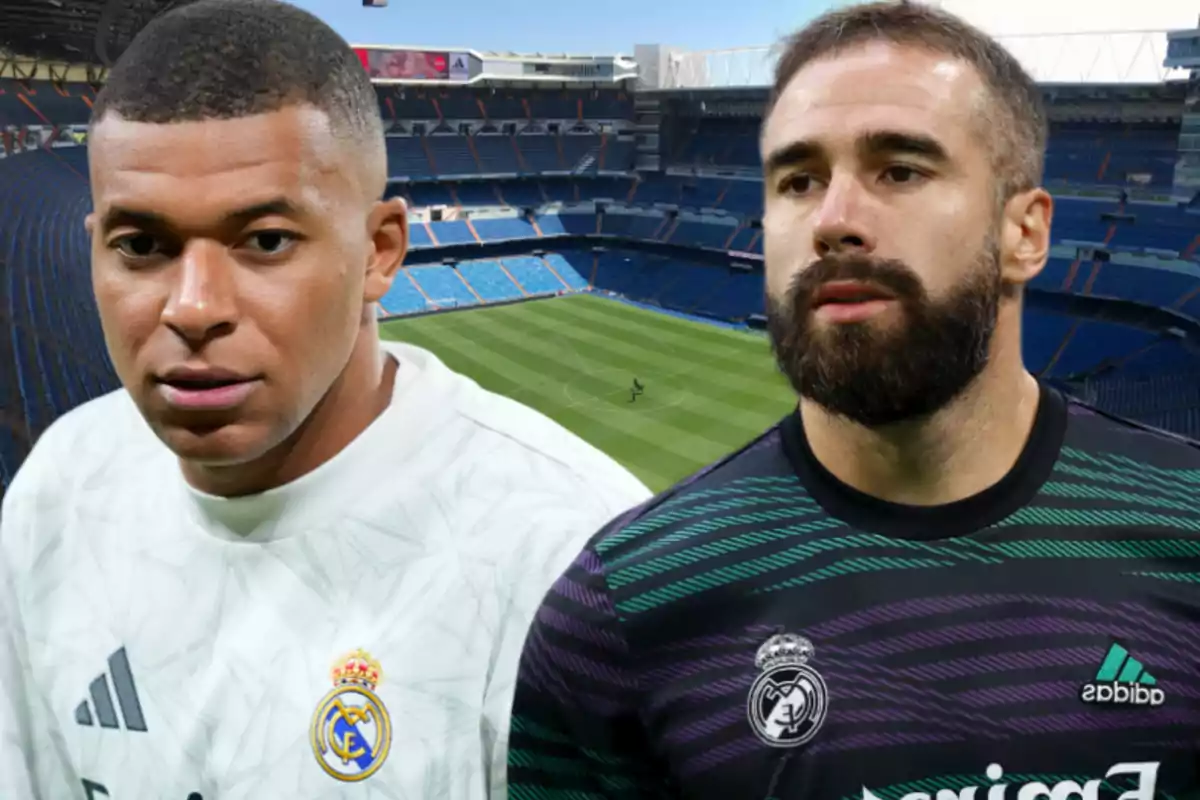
x: 517, y: 194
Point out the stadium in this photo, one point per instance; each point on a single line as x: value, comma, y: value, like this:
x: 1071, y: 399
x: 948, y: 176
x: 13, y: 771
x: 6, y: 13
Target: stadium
x: 582, y: 226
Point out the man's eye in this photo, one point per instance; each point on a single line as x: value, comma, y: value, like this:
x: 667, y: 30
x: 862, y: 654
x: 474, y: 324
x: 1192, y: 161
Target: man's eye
x: 138, y: 245
x: 902, y: 174
x: 797, y: 184
x: 271, y: 242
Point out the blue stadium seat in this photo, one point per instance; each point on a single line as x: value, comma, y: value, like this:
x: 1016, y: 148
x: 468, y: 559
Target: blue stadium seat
x: 451, y: 155
x: 565, y: 270
x: 534, y: 275
x: 444, y: 286
x: 407, y: 159
x: 455, y: 232
x: 541, y: 152
x: 418, y: 235
x: 551, y: 224
x: 496, y: 230
x: 489, y: 281
x: 404, y: 297
x: 53, y: 357
x: 497, y: 154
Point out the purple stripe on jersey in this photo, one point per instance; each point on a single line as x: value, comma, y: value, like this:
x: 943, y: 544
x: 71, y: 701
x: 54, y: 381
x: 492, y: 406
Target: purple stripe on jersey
x: 1025, y: 693
x: 566, y: 661
x: 686, y: 669
x: 582, y: 594
x: 721, y: 754
x: 835, y: 659
x: 710, y: 724
x: 537, y: 675
x: 1139, y: 637
x: 933, y: 718
x: 702, y: 762
x: 930, y: 719
x: 909, y: 686
x: 1036, y: 692
x: 705, y: 691
x: 1002, y: 662
x: 1091, y: 721
x: 590, y: 562
x: 754, y: 636
x: 877, y: 739
x: 930, y: 702
x: 928, y: 606
x: 579, y: 629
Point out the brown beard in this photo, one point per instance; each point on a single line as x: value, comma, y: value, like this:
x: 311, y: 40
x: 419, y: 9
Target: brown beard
x: 877, y: 377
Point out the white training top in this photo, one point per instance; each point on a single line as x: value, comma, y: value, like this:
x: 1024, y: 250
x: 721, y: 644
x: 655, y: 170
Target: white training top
x: 157, y: 643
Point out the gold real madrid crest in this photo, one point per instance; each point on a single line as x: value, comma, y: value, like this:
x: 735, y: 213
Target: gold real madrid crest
x: 351, y: 730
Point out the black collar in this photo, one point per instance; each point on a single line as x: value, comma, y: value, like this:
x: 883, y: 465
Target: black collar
x: 959, y: 518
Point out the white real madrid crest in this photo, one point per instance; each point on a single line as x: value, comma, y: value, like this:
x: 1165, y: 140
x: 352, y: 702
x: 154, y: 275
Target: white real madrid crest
x: 788, y: 701
x: 351, y: 730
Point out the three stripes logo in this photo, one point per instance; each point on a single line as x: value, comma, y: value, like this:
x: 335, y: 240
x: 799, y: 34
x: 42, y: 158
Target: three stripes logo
x: 1122, y: 680
x: 101, y: 710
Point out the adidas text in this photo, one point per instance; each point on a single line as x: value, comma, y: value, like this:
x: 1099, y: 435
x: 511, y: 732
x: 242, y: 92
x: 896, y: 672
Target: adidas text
x: 1115, y: 693
x: 1144, y: 773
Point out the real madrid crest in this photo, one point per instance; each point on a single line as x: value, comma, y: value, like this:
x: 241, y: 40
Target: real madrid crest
x: 351, y: 730
x: 788, y: 701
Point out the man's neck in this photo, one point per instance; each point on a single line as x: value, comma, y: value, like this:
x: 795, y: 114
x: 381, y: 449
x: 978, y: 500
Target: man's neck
x: 962, y: 450
x: 360, y: 394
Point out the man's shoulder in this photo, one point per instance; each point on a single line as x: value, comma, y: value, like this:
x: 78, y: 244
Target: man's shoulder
x: 1094, y: 433
x: 747, y: 488
x: 100, y: 437
x: 531, y: 448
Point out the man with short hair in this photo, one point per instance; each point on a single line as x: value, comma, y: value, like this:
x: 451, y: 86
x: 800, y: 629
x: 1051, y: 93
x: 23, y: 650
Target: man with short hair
x: 937, y: 577
x: 319, y: 586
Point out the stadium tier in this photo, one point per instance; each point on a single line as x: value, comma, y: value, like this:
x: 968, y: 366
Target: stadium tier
x: 519, y: 194
x: 1097, y: 153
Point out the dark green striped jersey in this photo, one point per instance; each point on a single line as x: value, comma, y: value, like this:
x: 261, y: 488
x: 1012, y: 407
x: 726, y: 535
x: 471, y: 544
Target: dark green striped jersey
x: 765, y: 631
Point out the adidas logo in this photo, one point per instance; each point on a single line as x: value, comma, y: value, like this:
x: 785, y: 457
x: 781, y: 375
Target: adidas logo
x: 1122, y: 681
x: 101, y: 710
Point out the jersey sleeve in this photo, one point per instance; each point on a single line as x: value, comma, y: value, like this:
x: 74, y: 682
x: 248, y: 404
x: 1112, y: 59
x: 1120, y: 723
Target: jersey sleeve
x: 33, y: 761
x: 575, y: 729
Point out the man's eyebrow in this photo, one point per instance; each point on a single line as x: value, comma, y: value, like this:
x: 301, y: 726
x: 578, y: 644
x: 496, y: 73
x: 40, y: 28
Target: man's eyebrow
x: 872, y: 143
x: 789, y: 154
x: 119, y: 215
x: 902, y: 142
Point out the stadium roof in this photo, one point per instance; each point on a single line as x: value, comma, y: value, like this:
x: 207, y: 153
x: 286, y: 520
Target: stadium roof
x: 1107, y: 57
x: 75, y: 31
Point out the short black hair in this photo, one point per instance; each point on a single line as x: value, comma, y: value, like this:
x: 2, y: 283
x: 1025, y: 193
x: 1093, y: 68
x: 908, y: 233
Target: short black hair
x: 1017, y: 123
x: 226, y: 59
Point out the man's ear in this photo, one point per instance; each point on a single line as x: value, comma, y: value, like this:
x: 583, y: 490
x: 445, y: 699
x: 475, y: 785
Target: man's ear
x: 388, y: 226
x: 1025, y: 237
x: 89, y: 223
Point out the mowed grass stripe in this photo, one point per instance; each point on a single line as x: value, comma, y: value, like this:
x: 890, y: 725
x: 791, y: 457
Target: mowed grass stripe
x: 723, y: 408
x: 688, y: 403
x: 572, y: 358
x: 735, y: 351
x: 668, y: 323
x: 644, y: 452
x: 497, y: 373
x: 757, y: 387
x: 747, y: 362
x: 595, y: 379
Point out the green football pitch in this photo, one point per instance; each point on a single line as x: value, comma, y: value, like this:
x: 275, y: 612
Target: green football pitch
x: 708, y: 390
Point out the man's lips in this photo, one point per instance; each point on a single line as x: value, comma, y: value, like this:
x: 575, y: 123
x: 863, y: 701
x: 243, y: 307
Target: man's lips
x: 205, y: 388
x: 849, y: 292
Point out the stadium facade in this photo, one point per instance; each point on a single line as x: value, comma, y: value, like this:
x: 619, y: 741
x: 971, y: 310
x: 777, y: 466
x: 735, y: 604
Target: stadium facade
x: 538, y: 175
